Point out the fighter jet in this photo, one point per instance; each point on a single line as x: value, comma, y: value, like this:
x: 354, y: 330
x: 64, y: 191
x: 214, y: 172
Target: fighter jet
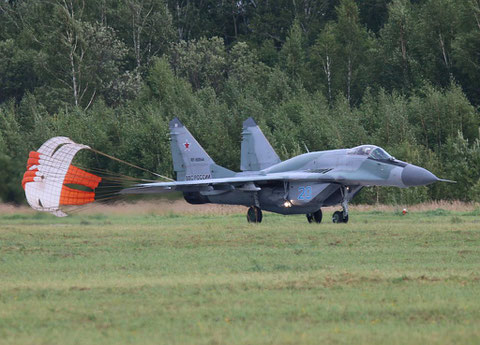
x: 300, y: 185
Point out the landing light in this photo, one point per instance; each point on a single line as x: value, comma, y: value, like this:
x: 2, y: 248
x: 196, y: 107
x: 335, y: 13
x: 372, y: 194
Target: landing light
x: 287, y: 204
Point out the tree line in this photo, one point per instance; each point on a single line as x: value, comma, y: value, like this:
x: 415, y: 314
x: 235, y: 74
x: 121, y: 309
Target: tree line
x: 322, y: 74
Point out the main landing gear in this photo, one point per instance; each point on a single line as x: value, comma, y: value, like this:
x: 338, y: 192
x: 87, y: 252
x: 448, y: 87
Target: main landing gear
x: 315, y: 217
x: 254, y: 215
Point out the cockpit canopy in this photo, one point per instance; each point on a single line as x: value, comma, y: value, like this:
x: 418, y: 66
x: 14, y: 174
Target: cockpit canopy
x: 371, y: 151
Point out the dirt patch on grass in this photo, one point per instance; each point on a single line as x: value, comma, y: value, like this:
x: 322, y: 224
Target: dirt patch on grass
x: 161, y: 207
x: 12, y: 209
x: 458, y: 206
x: 166, y: 207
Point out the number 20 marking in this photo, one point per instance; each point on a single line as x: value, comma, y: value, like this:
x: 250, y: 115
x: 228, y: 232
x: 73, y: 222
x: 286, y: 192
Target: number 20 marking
x: 304, y: 193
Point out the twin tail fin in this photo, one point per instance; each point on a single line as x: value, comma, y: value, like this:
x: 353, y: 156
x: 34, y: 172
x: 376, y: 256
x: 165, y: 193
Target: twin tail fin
x: 257, y: 153
x: 190, y: 161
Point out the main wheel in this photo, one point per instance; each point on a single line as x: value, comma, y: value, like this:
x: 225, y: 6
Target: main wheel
x: 338, y: 217
x: 317, y: 216
x: 309, y: 217
x: 254, y: 215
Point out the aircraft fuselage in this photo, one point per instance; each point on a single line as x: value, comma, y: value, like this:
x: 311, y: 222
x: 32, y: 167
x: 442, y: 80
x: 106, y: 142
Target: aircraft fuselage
x: 352, y: 169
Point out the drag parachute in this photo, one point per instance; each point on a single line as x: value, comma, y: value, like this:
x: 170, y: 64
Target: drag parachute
x: 50, y: 176
x: 52, y: 183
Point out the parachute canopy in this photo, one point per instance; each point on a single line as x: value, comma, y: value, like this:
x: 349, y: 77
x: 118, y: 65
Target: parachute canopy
x: 51, y: 181
x: 53, y: 184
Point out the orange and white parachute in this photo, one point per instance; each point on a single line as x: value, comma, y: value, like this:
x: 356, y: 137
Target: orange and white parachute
x: 50, y: 173
x: 52, y: 183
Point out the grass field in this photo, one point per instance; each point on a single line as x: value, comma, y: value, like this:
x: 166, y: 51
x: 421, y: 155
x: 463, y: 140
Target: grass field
x: 212, y: 278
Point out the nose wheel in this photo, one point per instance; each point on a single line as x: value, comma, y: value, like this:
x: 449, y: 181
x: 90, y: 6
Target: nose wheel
x: 254, y: 215
x: 315, y: 217
x: 339, y: 217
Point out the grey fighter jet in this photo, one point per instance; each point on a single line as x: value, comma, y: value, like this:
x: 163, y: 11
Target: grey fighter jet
x: 300, y: 185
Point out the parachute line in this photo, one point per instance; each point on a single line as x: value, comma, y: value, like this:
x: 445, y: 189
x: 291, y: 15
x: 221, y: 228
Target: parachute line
x: 132, y: 165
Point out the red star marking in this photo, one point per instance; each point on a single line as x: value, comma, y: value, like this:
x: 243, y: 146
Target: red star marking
x: 187, y: 145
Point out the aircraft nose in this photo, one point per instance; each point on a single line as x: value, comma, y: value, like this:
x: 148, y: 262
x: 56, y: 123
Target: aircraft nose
x: 417, y: 176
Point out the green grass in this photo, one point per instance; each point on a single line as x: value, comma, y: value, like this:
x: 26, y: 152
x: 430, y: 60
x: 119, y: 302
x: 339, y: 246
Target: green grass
x: 382, y: 278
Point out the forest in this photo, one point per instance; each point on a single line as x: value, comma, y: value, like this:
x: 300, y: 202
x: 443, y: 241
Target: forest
x: 316, y: 74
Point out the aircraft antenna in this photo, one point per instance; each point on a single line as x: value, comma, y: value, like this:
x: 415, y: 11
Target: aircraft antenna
x: 306, y: 148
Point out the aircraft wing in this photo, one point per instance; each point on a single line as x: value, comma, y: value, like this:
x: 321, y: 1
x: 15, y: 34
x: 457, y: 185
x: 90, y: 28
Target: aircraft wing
x: 329, y: 176
x: 199, y: 185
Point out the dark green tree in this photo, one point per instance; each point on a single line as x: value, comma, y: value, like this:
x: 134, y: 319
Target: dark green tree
x: 292, y: 55
x: 399, y: 68
x: 466, y: 48
x: 203, y: 62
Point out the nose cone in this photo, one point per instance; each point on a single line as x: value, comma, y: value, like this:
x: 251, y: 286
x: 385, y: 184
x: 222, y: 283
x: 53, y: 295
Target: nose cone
x: 416, y: 176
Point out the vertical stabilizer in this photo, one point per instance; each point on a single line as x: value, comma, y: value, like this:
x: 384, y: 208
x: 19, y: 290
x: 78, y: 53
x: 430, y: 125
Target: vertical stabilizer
x: 190, y: 161
x: 257, y: 153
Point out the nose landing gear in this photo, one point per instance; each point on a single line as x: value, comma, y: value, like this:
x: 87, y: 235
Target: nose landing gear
x: 342, y: 216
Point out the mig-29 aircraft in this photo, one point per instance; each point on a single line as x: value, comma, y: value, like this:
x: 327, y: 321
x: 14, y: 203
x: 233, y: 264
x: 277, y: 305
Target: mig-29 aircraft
x: 300, y: 185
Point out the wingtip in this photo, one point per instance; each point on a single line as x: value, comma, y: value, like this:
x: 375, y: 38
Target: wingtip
x: 175, y: 123
x: 250, y: 122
